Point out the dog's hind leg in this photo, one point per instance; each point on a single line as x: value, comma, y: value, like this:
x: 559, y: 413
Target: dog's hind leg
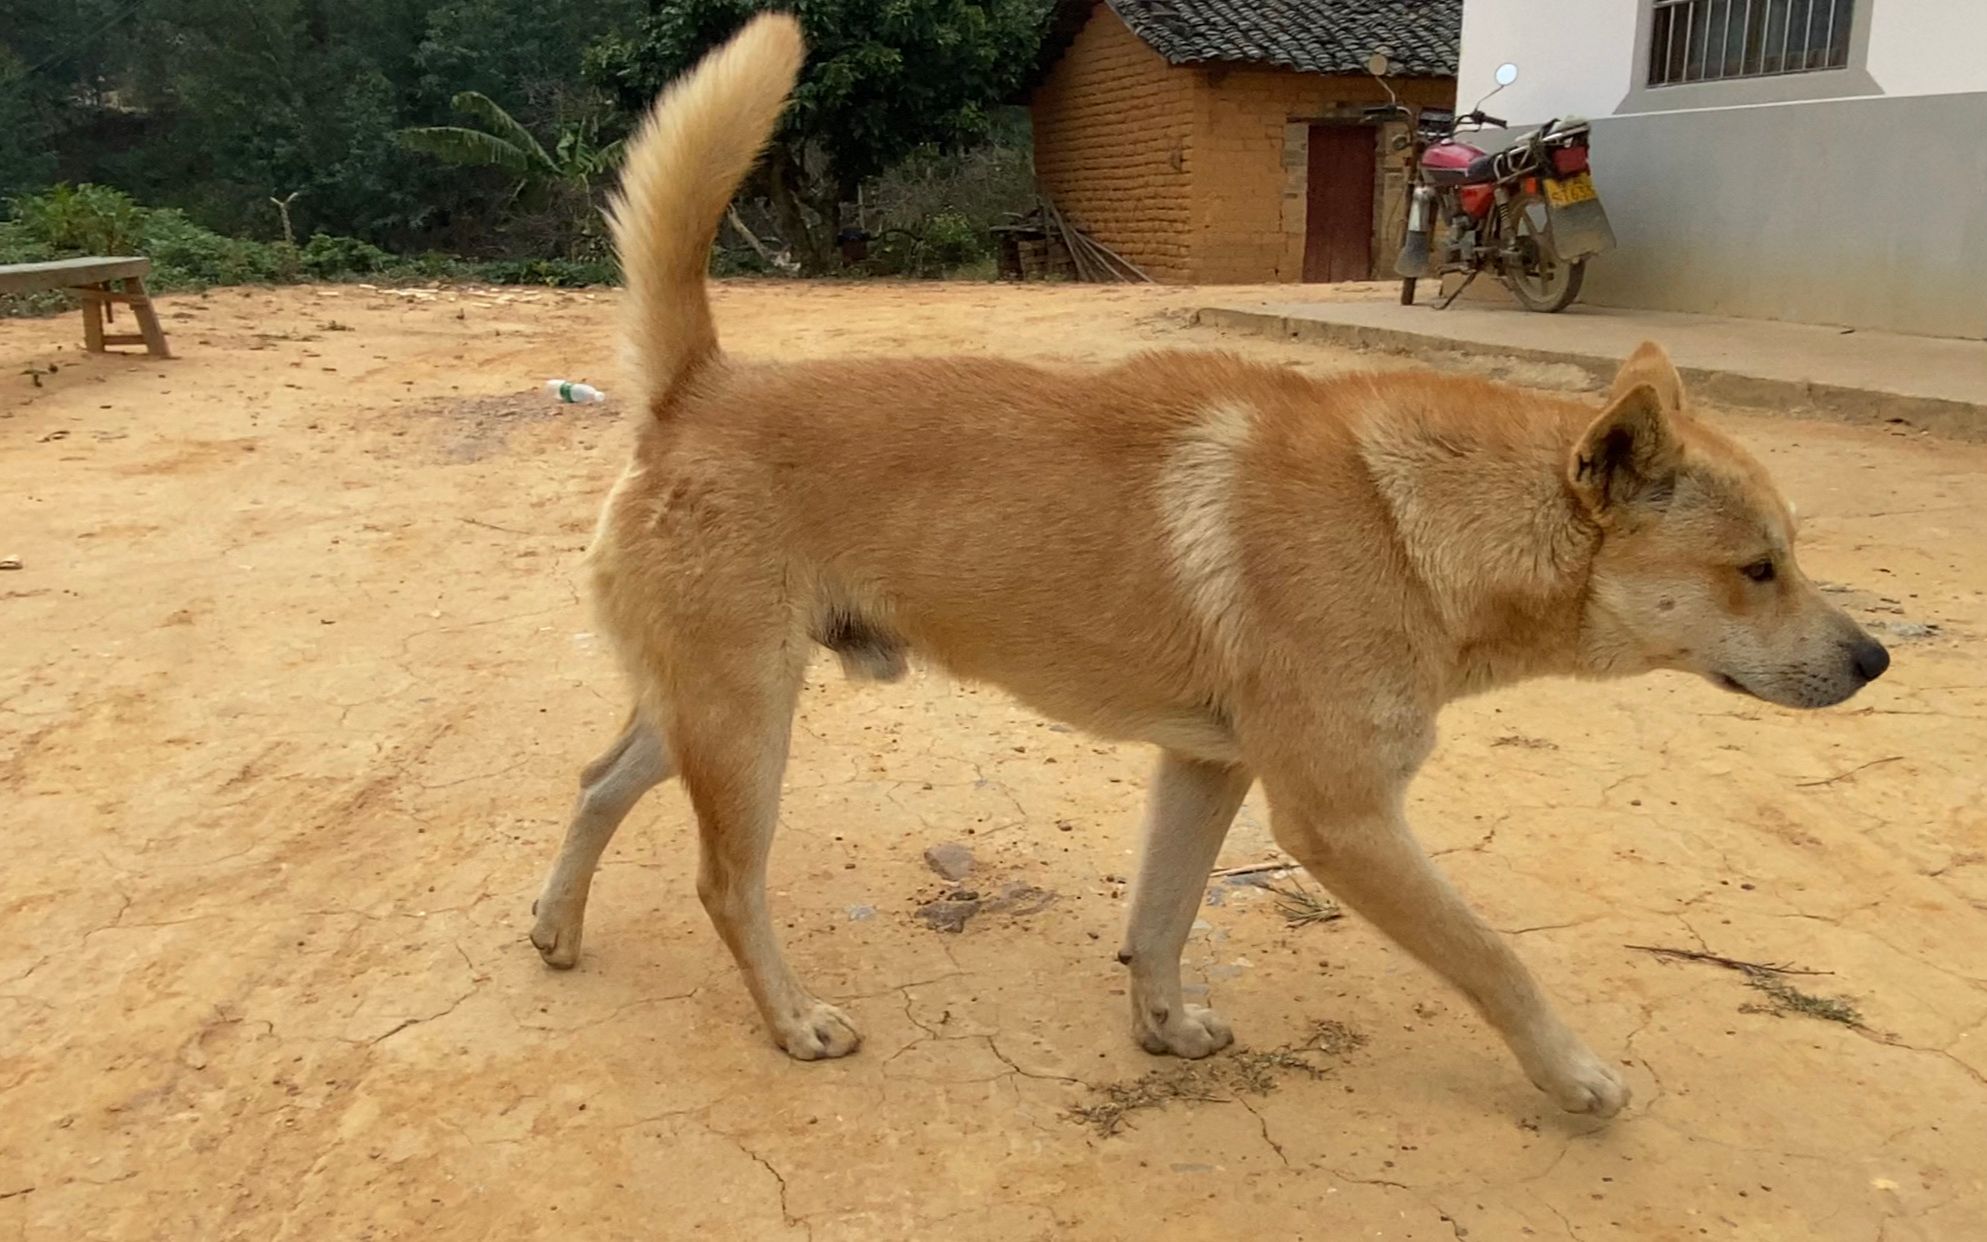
x: 731, y: 739
x: 609, y: 788
x: 1193, y: 803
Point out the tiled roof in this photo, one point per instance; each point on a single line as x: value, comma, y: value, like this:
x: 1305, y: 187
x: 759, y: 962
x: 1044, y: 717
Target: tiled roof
x: 1312, y: 36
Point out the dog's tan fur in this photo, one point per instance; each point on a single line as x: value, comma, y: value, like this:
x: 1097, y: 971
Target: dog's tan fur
x: 1271, y: 577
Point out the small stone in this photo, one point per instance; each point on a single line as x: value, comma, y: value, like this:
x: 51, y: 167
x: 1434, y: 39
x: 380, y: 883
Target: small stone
x: 950, y: 860
x: 10, y: 562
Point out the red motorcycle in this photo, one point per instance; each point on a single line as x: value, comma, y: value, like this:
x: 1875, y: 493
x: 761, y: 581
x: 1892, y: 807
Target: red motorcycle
x: 1528, y: 213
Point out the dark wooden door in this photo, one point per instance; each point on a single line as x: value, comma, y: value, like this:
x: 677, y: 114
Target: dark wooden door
x: 1338, y: 203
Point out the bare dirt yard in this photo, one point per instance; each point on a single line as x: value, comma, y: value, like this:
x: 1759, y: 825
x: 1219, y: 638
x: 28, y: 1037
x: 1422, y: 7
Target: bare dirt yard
x: 298, y: 676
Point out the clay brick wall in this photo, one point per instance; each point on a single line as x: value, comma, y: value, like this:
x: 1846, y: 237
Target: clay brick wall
x: 1114, y: 145
x: 1252, y: 133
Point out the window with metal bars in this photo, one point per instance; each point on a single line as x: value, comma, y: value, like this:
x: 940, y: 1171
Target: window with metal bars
x: 1718, y: 40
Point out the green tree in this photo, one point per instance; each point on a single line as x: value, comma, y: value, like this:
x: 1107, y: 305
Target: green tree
x: 567, y: 171
x: 27, y: 160
x: 242, y: 99
x: 526, y: 52
x: 56, y: 63
x: 883, y: 77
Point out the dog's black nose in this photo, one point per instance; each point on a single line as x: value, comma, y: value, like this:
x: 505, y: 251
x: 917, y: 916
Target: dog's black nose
x: 1869, y: 657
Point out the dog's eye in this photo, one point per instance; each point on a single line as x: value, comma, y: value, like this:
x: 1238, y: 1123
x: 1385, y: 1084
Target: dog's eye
x: 1760, y: 570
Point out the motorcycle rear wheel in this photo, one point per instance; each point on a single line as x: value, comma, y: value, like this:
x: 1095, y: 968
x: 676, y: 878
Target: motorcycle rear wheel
x: 1407, y: 291
x: 1547, y: 284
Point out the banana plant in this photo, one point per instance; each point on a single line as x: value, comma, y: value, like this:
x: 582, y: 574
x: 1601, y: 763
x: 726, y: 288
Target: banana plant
x: 503, y: 143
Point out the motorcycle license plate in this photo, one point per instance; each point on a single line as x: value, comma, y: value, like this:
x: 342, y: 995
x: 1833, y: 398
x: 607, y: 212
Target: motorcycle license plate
x: 1575, y: 189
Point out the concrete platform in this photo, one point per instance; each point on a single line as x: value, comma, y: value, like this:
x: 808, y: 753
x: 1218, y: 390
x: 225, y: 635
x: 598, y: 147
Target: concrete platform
x: 1936, y: 383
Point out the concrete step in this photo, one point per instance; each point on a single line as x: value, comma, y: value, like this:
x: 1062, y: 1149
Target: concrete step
x: 1938, y: 384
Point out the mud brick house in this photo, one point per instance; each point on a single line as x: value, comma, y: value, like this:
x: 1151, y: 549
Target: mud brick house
x: 1226, y: 140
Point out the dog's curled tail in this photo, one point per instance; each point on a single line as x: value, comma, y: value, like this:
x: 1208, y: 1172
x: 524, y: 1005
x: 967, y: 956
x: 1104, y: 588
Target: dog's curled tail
x: 681, y: 169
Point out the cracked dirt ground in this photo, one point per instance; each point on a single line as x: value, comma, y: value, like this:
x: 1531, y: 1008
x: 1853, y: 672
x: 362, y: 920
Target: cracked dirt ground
x: 297, y: 683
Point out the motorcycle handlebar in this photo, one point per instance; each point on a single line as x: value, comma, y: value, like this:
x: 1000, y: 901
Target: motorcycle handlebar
x: 1483, y: 118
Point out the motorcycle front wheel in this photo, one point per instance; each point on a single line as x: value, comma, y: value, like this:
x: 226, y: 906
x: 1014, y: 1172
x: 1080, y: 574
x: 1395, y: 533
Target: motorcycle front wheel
x: 1407, y: 291
x: 1543, y: 282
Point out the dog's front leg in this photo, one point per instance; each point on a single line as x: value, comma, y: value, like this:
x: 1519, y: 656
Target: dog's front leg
x: 1369, y: 858
x: 1192, y: 805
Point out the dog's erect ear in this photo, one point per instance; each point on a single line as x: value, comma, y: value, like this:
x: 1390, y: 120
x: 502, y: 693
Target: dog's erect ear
x: 1650, y: 365
x: 1629, y: 453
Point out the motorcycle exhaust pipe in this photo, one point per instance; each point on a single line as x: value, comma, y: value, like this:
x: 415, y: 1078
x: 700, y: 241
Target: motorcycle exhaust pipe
x: 1415, y: 259
x: 1420, y: 209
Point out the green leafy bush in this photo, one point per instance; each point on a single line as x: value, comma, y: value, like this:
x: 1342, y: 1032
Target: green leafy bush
x: 327, y: 258
x: 952, y: 240
x: 18, y: 245
x: 84, y: 219
x: 67, y: 221
x: 90, y: 219
x: 728, y: 262
x: 432, y: 265
x: 934, y: 211
x: 562, y: 273
x: 186, y: 256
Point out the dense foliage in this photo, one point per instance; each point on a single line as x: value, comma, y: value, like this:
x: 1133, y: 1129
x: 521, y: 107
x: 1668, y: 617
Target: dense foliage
x: 216, y: 106
x: 883, y: 78
x: 479, y: 128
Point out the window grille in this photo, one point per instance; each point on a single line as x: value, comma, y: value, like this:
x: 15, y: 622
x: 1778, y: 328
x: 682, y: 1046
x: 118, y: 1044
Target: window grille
x: 1718, y: 40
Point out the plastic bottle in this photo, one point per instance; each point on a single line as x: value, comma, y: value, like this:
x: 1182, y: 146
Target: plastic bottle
x: 574, y: 393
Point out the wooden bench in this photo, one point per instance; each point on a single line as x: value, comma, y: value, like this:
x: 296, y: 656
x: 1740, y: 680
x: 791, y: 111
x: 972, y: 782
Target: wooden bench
x: 91, y: 279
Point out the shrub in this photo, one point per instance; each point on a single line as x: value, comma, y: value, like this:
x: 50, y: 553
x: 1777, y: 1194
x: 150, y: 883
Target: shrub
x: 94, y: 219
x: 17, y: 245
x: 727, y: 262
x: 982, y: 184
x: 187, y: 256
x: 83, y: 219
x: 952, y: 240
x: 561, y: 273
x: 326, y: 257
x: 432, y: 265
x: 933, y: 212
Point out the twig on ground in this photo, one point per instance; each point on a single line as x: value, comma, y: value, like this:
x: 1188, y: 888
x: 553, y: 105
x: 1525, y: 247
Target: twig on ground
x: 1786, y: 998
x: 1766, y: 977
x: 1301, y: 907
x: 1729, y: 963
x: 1219, y: 1080
x: 1843, y: 776
x: 508, y: 530
x: 1254, y: 868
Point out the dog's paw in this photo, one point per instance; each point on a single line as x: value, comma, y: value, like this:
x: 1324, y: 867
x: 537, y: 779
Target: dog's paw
x: 1583, y: 1083
x: 556, y: 934
x: 817, y: 1031
x: 1193, y: 1032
